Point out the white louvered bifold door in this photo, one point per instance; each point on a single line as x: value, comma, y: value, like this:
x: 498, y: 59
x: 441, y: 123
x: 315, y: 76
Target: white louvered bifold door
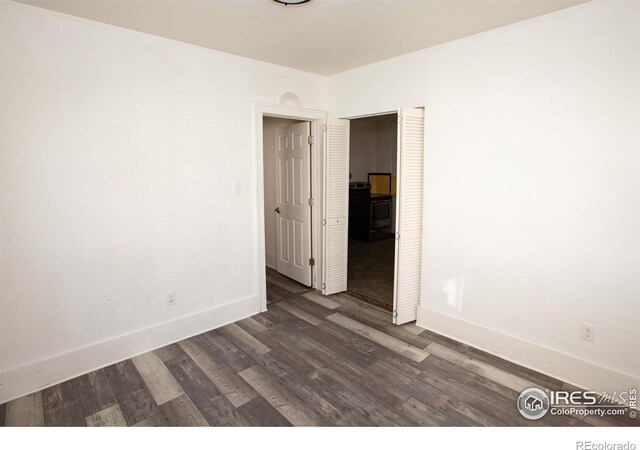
x: 336, y: 207
x: 408, y: 265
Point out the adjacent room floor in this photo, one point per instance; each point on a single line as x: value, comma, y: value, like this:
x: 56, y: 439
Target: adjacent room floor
x: 370, y: 271
x: 280, y: 287
x: 309, y: 360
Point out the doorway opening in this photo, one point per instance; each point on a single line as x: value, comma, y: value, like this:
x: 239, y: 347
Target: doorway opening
x: 407, y: 266
x: 304, y: 233
x: 288, y: 208
x: 373, y: 181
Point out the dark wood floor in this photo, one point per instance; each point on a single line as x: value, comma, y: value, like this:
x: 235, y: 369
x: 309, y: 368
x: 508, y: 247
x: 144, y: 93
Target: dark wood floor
x: 281, y: 288
x: 370, y: 271
x: 309, y: 360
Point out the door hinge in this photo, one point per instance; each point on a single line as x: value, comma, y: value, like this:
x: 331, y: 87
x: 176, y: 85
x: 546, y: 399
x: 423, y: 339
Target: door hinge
x: 399, y: 118
x: 312, y: 261
x: 324, y: 286
x: 324, y: 221
x: 325, y: 128
x: 310, y: 140
x: 397, y: 236
x: 395, y: 314
x: 311, y: 202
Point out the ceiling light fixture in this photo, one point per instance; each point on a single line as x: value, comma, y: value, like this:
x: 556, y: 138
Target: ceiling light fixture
x: 291, y: 2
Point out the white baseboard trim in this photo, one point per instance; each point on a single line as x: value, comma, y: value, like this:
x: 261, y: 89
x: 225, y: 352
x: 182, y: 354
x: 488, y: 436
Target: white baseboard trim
x: 19, y: 381
x: 555, y: 363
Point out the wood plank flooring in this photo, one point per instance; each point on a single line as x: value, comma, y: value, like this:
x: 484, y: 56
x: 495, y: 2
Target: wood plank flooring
x: 371, y: 271
x: 309, y: 360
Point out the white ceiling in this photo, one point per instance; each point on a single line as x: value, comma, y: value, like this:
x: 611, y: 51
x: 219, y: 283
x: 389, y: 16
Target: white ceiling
x: 323, y: 36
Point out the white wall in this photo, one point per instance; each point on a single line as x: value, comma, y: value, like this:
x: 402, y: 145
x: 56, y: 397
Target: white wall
x: 372, y: 146
x: 118, y: 152
x: 387, y: 153
x: 270, y: 124
x: 532, y: 189
x: 387, y: 144
x: 362, y: 149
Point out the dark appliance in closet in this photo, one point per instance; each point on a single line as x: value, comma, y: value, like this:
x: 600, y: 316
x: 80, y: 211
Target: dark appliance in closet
x: 369, y: 214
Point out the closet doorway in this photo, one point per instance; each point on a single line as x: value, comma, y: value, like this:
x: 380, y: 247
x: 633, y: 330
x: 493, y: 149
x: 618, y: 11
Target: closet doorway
x: 373, y: 176
x: 407, y: 266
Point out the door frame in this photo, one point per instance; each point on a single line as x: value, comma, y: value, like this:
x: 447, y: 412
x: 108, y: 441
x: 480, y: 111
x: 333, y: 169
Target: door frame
x: 398, y: 212
x: 318, y: 121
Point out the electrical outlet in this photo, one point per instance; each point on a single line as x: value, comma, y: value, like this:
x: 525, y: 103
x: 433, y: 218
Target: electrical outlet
x: 171, y: 298
x: 588, y: 332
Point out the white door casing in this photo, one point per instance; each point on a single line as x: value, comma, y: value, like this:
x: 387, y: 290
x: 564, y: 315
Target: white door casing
x: 293, y: 193
x: 408, y: 258
x: 336, y: 207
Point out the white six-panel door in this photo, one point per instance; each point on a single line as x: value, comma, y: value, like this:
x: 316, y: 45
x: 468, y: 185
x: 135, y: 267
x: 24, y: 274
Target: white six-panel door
x: 336, y: 207
x: 293, y: 193
x: 408, y: 259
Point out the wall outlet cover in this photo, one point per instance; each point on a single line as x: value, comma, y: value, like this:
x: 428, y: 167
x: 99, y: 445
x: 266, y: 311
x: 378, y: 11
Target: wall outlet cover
x: 588, y: 332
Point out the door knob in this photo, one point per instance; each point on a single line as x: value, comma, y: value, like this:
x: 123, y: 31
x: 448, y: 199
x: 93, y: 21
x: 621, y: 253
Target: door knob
x: 277, y: 210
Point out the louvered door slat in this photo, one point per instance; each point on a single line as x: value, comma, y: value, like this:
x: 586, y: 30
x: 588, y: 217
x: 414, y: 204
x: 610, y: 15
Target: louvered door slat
x: 336, y: 207
x: 408, y: 266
